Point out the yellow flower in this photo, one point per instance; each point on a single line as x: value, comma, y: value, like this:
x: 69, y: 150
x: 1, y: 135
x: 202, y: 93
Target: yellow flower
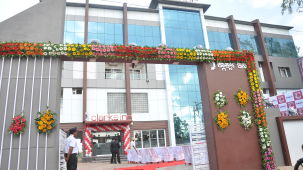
x: 73, y: 49
x: 43, y: 119
x: 49, y: 127
x: 44, y: 130
x: 40, y: 122
x: 40, y: 127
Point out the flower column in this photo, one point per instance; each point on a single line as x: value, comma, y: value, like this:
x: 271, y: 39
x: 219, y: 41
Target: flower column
x: 260, y: 116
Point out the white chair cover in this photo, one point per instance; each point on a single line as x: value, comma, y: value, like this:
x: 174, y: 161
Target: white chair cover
x: 153, y: 155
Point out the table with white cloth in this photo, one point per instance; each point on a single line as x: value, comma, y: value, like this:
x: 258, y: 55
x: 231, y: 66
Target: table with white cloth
x: 161, y: 154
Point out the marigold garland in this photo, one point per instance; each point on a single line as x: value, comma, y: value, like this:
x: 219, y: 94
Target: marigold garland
x: 268, y: 161
x: 18, y: 125
x: 242, y: 98
x: 156, y: 54
x: 45, y: 122
x: 126, y: 53
x: 222, y: 120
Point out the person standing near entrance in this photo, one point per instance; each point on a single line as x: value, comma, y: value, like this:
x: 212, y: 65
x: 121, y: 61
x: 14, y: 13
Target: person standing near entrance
x: 133, y: 145
x: 114, y: 149
x: 71, y: 150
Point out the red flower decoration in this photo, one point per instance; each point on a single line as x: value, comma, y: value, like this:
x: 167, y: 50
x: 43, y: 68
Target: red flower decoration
x: 18, y: 125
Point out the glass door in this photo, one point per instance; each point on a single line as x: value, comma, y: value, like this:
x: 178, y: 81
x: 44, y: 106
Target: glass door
x: 102, y: 140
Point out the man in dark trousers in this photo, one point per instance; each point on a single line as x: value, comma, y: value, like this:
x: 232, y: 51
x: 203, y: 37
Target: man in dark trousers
x: 114, y: 149
x: 71, y: 150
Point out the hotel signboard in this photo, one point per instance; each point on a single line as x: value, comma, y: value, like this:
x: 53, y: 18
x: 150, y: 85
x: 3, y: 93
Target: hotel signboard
x: 108, y: 118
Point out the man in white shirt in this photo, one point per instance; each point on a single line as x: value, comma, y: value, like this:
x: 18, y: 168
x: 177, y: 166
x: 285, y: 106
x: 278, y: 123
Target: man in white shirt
x: 71, y: 150
x: 133, y: 145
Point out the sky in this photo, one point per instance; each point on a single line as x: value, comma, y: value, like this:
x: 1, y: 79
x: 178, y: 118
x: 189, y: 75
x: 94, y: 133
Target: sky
x: 268, y: 11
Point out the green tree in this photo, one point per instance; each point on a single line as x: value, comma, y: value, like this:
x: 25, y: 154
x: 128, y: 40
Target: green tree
x: 181, y: 130
x: 289, y: 4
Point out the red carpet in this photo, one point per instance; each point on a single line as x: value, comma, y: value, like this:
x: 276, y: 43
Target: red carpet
x: 153, y: 166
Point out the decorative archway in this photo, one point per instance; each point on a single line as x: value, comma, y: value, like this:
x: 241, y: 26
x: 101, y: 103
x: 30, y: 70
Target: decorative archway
x: 105, y: 128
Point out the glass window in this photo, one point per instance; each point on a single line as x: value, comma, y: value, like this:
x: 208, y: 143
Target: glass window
x: 153, y: 138
x: 74, y: 32
x: 138, y: 139
x: 79, y: 26
x: 77, y: 91
x: 249, y: 42
x: 139, y: 102
x: 150, y: 138
x: 144, y: 35
x: 280, y: 47
x: 284, y: 72
x: 92, y: 27
x: 69, y: 37
x: 69, y: 26
x: 116, y: 103
x: 105, y: 33
x: 115, y: 74
x: 219, y: 40
x: 161, y: 136
x: 183, y: 29
x: 186, y: 98
x: 146, y: 139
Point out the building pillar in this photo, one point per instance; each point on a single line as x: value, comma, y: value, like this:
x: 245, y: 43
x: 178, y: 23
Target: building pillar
x: 127, y: 65
x: 233, y: 31
x: 162, y: 27
x: 268, y: 72
x: 84, y: 78
x: 205, y: 35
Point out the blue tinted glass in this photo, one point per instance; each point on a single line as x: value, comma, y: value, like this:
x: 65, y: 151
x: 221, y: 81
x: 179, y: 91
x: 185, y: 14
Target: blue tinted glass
x: 156, y: 31
x: 101, y: 28
x: 109, y: 39
x: 144, y: 35
x: 92, y: 36
x: 79, y: 38
x: 79, y: 26
x: 69, y: 26
x: 219, y: 40
x: 280, y: 47
x: 183, y: 28
x: 148, y: 31
x: 249, y: 42
x: 131, y: 39
x: 68, y: 37
x: 187, y: 105
x: 101, y: 38
x: 93, y: 27
x: 118, y: 40
x: 140, y: 30
x: 109, y: 28
x: 131, y: 30
x: 118, y: 29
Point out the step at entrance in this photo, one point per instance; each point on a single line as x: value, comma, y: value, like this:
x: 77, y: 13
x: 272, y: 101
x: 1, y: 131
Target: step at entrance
x: 103, y: 159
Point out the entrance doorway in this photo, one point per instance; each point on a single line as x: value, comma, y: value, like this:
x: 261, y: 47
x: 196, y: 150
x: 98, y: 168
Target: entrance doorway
x: 101, y: 142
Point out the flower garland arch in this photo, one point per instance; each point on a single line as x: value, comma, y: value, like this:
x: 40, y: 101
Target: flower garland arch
x: 157, y: 54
